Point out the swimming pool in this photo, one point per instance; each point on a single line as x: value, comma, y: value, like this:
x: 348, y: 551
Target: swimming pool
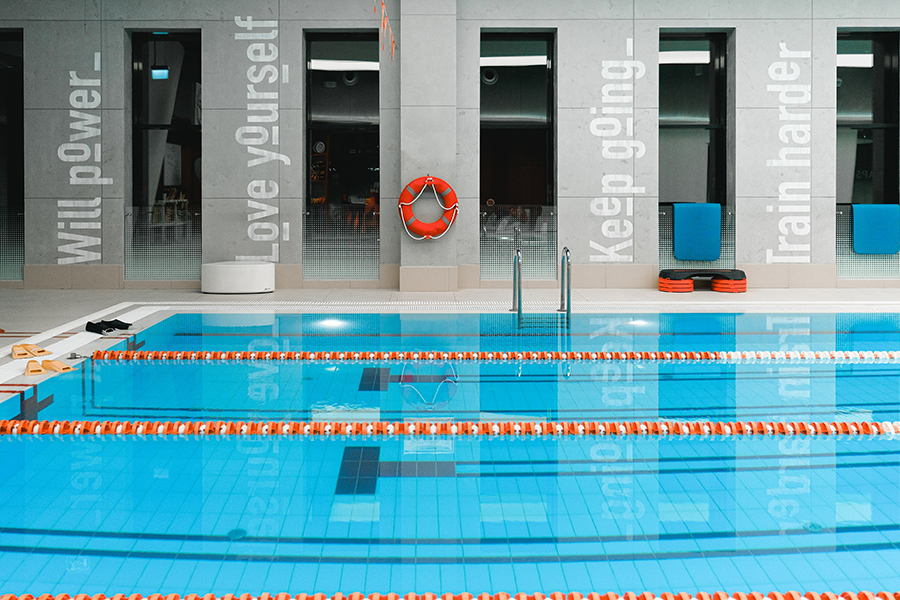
x: 432, y: 513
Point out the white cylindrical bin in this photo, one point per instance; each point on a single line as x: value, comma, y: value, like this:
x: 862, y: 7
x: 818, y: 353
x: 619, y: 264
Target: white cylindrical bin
x: 237, y: 277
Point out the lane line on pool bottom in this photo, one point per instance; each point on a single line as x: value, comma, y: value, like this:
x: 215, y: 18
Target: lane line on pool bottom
x: 507, y: 428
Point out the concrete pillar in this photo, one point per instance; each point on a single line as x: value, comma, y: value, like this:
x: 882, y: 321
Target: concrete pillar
x: 428, y: 135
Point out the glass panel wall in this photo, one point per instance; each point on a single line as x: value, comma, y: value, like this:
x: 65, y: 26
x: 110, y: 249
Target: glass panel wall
x: 162, y: 225
x: 518, y: 203
x: 867, y: 154
x: 867, y: 118
x: 693, y: 110
x: 341, y: 228
x: 12, y: 157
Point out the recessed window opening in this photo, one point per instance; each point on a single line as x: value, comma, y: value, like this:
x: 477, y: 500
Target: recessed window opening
x: 341, y: 239
x: 162, y: 228
x: 693, y: 153
x: 12, y: 156
x: 692, y: 118
x: 517, y: 199
x: 867, y: 118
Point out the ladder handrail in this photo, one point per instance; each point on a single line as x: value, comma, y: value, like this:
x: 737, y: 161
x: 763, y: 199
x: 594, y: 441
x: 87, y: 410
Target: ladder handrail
x: 565, y: 283
x: 517, y: 284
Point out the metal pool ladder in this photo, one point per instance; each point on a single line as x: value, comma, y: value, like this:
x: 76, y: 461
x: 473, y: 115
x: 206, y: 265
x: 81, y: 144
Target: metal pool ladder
x: 517, y: 284
x: 565, y: 284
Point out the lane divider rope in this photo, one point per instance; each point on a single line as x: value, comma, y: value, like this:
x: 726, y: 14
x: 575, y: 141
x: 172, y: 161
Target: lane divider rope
x: 790, y: 595
x: 518, y: 428
x: 238, y: 355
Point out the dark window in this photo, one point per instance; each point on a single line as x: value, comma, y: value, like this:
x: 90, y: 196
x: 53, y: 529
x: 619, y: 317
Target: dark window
x: 516, y: 121
x: 12, y: 156
x: 162, y: 225
x: 342, y: 123
x: 867, y: 118
x: 692, y: 118
x: 166, y: 118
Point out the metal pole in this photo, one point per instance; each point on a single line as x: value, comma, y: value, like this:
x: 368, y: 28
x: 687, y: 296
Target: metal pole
x: 565, y: 286
x: 519, y: 268
x: 568, y: 285
x: 517, y: 283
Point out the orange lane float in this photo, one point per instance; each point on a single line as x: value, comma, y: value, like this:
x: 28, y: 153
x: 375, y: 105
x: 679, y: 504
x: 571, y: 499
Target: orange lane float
x: 504, y: 428
x: 719, y: 595
x: 513, y: 355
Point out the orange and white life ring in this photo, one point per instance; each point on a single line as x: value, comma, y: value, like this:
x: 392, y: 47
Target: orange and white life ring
x: 444, y: 195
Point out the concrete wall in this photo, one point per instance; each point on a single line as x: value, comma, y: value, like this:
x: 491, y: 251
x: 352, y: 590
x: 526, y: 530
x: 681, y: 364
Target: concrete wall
x: 77, y: 70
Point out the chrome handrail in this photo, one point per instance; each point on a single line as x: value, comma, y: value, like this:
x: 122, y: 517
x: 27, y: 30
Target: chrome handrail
x: 517, y: 284
x: 565, y: 283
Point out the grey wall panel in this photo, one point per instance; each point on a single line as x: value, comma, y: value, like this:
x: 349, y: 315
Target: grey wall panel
x: 229, y: 165
x: 41, y: 231
x: 768, y: 61
x: 50, y: 10
x: 582, y: 165
x: 542, y: 10
x: 824, y: 68
x: 65, y: 234
x: 337, y: 12
x: 389, y: 130
x: 646, y: 239
x: 225, y: 66
x: 429, y: 253
x: 590, y: 238
x: 646, y: 168
x: 646, y: 50
x: 764, y: 160
x: 468, y: 64
x: 290, y: 221
x: 703, y: 9
x: 291, y: 177
x: 855, y: 9
x: 824, y: 159
x: 48, y: 83
x: 390, y: 73
x: 428, y: 142
x: 115, y: 67
x: 227, y: 231
x: 468, y: 133
x: 824, y: 231
x: 50, y: 134
x: 390, y: 186
x: 187, y: 10
x: 467, y: 231
x: 583, y: 46
x: 432, y: 42
x: 113, y: 226
x: 763, y: 234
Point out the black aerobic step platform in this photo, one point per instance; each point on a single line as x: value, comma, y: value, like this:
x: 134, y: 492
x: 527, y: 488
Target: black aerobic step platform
x: 682, y: 280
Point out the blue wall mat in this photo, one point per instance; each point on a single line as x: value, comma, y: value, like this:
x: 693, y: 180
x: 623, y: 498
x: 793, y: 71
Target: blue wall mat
x: 696, y: 231
x: 876, y: 228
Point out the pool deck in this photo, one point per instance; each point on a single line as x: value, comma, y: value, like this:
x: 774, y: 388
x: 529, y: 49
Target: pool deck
x: 56, y: 318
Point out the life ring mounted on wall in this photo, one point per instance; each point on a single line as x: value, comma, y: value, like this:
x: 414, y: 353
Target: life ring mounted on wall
x: 445, y: 197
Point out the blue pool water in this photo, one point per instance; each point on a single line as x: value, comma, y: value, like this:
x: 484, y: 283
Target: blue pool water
x: 447, y: 514
x: 452, y: 514
x: 515, y: 390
